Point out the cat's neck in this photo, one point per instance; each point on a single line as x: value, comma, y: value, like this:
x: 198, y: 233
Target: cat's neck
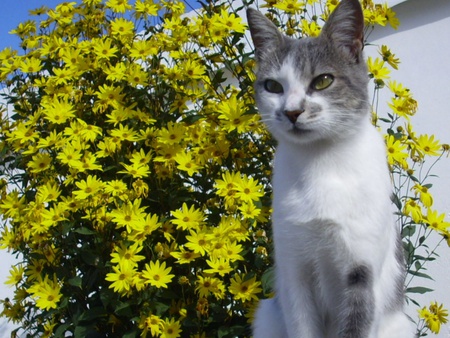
x: 357, y: 149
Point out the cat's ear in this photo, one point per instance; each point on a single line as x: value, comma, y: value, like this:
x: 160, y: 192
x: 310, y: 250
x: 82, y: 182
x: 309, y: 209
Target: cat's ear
x: 345, y: 28
x: 265, y: 34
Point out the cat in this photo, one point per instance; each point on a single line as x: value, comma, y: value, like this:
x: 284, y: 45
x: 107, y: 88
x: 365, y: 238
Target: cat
x: 339, y: 266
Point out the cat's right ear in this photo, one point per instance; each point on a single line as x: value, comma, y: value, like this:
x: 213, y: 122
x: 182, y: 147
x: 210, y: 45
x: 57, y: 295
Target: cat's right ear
x: 265, y: 34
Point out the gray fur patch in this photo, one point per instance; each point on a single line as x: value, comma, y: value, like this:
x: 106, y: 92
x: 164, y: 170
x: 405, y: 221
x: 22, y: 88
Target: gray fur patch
x: 399, y: 297
x: 359, y: 302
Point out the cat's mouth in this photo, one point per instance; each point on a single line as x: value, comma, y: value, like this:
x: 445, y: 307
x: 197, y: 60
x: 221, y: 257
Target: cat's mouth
x: 298, y: 130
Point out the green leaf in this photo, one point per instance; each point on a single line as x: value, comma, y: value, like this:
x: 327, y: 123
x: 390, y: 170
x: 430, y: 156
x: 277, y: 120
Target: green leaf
x: 161, y: 307
x: 80, y: 331
x: 123, y: 309
x: 267, y: 280
x: 92, y: 314
x: 131, y: 334
x: 420, y: 274
x: 408, y: 231
x: 84, y: 231
x: 75, y: 281
x: 397, y: 201
x: 61, y: 330
x: 418, y: 289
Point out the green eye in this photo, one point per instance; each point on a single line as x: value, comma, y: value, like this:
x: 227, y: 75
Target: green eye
x: 273, y: 86
x: 322, y: 82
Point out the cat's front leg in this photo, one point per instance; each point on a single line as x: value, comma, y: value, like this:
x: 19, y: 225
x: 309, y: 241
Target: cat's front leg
x: 296, y: 299
x: 358, y: 312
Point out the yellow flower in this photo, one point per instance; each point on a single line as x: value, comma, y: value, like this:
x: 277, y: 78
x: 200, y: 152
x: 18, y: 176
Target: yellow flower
x: 88, y: 188
x: 388, y: 57
x: 103, y: 48
x: 136, y: 76
x: 48, y: 329
x: 184, y: 257
x: 440, y: 312
x: 310, y: 28
x: 232, y: 115
x: 118, y: 6
x: 188, y: 218
x: 244, y: 288
x: 411, y: 208
x: 145, y: 8
x: 425, y: 197
x: 207, y: 285
x: 434, y: 316
x: 122, y: 27
x: 230, y: 21
x: 156, y: 274
x: 403, y: 106
x: 142, y: 49
x: 390, y: 16
x: 40, y: 162
x: 227, y: 186
x: 87, y: 162
x: 136, y: 170
x: 46, y: 293
x: 193, y: 69
x: 153, y: 323
x: 127, y: 254
x: 396, y: 152
x: 48, y: 192
x: 374, y: 16
x: 198, y: 242
x: 117, y: 188
x: 233, y: 250
x: 15, y: 275
x: 110, y: 95
x: 124, y: 133
x: 437, y: 221
x: 12, y: 204
x: 173, y: 134
x: 220, y: 265
x: 34, y: 269
x: 187, y: 163
x: 69, y: 155
x: 31, y: 65
x: 249, y: 210
x: 377, y: 70
x: 399, y: 89
x: 57, y: 111
x: 427, y: 145
x: 248, y: 189
x: 143, y: 229
x: 53, y: 215
x: 290, y: 6
x: 130, y: 215
x: 122, y: 277
x: 170, y: 328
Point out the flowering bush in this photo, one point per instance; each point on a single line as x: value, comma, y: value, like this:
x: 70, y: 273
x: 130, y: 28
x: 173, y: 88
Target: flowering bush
x: 135, y: 169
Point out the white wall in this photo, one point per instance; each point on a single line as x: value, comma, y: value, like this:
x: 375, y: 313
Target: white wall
x: 422, y: 43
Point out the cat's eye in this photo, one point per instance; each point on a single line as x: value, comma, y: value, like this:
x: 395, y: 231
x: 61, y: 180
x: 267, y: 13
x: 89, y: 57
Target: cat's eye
x: 273, y: 86
x: 322, y: 82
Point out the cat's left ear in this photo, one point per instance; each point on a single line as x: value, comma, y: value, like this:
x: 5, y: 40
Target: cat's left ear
x: 265, y: 34
x: 345, y: 28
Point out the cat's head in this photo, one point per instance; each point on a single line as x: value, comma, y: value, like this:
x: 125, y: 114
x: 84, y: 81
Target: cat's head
x: 312, y: 89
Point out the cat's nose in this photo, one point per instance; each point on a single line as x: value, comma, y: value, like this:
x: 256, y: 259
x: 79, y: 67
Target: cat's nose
x: 293, y: 115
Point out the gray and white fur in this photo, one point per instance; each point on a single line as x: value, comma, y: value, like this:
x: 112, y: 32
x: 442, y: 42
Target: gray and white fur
x: 338, y: 253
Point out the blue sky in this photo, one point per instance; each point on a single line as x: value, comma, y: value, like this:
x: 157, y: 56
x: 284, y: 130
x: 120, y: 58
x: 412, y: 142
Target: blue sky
x: 13, y: 12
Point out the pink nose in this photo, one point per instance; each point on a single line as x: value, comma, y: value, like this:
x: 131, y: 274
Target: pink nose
x: 293, y: 115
